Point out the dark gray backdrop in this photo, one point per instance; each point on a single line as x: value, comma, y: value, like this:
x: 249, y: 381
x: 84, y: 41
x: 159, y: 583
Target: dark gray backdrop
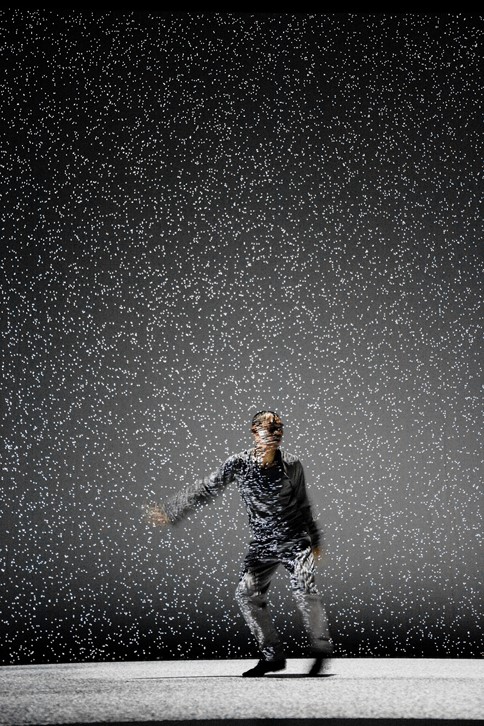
x: 209, y: 214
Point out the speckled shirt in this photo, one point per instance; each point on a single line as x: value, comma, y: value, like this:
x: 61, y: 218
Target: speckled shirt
x: 275, y: 497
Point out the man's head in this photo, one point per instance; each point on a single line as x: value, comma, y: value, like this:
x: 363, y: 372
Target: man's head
x: 267, y: 429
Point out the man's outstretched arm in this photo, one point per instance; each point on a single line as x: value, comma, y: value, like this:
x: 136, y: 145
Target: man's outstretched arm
x: 192, y: 496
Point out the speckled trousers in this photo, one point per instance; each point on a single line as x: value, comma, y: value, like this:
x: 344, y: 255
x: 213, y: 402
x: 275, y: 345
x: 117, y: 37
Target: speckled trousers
x: 251, y: 595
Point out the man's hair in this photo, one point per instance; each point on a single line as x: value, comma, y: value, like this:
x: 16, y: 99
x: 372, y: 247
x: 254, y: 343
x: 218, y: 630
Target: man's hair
x: 261, y: 417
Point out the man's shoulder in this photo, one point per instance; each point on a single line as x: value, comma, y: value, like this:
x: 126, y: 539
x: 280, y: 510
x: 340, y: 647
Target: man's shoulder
x: 241, y: 456
x: 246, y: 455
x: 289, y: 458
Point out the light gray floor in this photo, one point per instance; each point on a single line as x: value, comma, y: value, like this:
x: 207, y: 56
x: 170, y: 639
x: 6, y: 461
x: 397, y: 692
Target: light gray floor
x: 194, y: 690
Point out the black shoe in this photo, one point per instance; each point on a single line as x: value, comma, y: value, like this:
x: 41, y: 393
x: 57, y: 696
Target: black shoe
x: 319, y: 665
x: 265, y: 666
x: 321, y: 658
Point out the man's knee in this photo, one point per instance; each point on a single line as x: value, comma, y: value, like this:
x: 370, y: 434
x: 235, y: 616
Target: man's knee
x: 246, y: 590
x: 303, y: 586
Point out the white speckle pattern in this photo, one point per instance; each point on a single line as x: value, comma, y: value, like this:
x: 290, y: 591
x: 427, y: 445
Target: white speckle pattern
x: 205, y: 215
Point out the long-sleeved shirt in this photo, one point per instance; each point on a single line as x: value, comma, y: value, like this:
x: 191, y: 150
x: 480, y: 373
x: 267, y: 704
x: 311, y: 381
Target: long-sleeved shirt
x: 275, y: 497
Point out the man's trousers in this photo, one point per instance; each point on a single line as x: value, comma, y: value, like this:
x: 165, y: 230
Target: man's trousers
x: 251, y: 594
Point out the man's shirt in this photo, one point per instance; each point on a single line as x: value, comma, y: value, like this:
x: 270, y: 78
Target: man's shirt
x: 275, y: 497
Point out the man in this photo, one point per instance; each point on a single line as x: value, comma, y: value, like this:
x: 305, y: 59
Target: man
x: 272, y: 485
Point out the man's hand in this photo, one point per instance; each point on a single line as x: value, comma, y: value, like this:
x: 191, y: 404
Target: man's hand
x: 156, y: 515
x: 318, y: 554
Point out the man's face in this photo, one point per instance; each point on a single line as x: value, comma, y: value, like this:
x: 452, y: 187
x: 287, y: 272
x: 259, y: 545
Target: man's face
x: 268, y: 433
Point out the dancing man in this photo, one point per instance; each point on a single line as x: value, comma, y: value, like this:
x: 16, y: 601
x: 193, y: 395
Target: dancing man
x: 272, y: 486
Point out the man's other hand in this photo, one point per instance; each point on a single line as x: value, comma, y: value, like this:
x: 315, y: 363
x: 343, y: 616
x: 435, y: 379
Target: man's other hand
x: 318, y: 554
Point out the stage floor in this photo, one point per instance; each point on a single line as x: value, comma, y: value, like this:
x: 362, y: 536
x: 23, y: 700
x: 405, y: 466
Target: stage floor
x: 366, y: 689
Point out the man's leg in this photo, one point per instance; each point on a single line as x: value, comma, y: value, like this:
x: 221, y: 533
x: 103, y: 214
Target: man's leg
x: 300, y: 564
x: 251, y: 596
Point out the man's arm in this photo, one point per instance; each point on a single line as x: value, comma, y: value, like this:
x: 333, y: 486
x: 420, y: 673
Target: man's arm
x: 193, y: 495
x: 305, y: 509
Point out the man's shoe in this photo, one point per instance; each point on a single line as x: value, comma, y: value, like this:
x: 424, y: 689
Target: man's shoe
x: 321, y: 657
x: 265, y: 666
x: 319, y: 665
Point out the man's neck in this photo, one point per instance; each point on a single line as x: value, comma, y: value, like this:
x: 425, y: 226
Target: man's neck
x: 266, y: 458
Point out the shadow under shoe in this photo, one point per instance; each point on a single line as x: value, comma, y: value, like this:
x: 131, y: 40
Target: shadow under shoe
x: 265, y: 666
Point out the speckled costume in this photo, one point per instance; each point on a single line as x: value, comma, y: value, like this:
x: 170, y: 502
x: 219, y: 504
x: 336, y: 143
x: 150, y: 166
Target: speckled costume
x: 283, y: 532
